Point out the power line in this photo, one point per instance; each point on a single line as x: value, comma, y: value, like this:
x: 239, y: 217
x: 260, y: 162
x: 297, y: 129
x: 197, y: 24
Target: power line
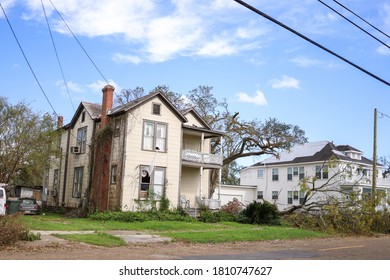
x: 74, y: 36
x: 350, y: 21
x: 56, y: 53
x: 28, y: 63
x: 310, y: 41
x: 349, y: 10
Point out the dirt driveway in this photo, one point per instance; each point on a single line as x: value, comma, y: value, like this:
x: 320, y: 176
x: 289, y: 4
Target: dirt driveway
x: 153, y: 248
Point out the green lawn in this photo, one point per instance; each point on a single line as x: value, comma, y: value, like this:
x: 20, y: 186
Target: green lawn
x: 185, y: 231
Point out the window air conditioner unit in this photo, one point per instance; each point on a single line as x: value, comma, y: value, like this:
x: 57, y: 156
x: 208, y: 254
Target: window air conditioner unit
x: 53, y: 193
x: 75, y: 150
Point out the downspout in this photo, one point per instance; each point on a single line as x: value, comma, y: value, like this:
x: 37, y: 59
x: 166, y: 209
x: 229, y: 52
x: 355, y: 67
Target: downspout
x: 65, y: 169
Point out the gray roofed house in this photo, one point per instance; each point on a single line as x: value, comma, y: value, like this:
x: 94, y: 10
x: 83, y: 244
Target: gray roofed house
x: 278, y: 178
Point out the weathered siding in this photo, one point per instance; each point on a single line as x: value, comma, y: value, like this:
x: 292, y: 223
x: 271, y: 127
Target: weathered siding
x: 136, y: 156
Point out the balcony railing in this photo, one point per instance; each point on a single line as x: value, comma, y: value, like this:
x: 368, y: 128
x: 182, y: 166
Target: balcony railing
x: 201, y: 158
x: 367, y: 180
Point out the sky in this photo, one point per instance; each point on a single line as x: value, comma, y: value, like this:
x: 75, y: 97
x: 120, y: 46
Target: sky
x: 263, y: 70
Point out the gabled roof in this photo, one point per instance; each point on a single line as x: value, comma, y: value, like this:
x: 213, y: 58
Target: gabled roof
x: 197, y: 116
x: 314, y: 152
x: 93, y: 109
x: 139, y: 101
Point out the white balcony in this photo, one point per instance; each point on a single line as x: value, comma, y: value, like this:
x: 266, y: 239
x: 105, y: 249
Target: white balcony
x: 367, y: 181
x: 201, y: 158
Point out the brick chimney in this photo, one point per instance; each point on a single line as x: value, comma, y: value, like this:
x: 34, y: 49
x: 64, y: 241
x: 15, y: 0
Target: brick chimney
x: 108, y: 93
x: 60, y: 121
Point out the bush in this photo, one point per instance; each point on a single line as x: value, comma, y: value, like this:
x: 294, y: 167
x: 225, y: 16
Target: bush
x: 233, y: 207
x: 12, y: 230
x: 260, y: 213
x: 141, y: 216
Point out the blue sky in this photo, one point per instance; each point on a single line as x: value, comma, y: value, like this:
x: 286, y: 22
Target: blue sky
x: 261, y: 69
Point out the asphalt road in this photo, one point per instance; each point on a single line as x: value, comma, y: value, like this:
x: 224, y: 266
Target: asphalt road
x: 149, y: 247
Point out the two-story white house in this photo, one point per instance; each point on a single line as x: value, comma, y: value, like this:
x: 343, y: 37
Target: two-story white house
x: 116, y: 158
x: 278, y: 179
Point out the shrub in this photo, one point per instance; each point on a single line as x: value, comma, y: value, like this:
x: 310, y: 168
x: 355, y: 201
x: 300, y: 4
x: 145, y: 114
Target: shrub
x: 140, y: 216
x: 12, y: 230
x: 233, y: 207
x: 260, y: 213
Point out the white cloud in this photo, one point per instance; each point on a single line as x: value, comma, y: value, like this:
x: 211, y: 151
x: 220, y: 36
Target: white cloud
x: 285, y: 82
x: 217, y: 47
x: 302, y: 61
x: 125, y: 58
x: 100, y: 84
x: 72, y: 86
x: 258, y: 98
x: 383, y: 50
x: 156, y: 31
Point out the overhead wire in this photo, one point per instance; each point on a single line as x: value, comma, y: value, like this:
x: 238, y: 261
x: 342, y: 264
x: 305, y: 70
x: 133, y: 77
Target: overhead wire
x: 57, y: 56
x: 350, y: 21
x: 77, y: 40
x: 355, y: 14
x: 311, y: 41
x: 27, y: 61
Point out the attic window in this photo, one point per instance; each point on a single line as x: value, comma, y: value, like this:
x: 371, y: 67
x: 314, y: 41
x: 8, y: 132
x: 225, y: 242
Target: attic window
x: 156, y: 109
x: 83, y: 116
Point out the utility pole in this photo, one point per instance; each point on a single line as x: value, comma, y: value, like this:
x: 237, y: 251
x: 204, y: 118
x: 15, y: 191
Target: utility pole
x: 374, y: 158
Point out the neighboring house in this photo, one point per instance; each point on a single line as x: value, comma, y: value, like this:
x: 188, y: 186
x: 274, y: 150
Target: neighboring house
x: 117, y: 158
x: 278, y: 179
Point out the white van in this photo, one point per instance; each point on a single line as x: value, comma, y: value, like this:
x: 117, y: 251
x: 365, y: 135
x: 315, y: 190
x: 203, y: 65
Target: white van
x: 3, y: 201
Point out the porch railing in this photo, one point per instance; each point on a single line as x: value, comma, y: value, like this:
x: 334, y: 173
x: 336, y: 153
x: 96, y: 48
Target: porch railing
x: 202, y: 158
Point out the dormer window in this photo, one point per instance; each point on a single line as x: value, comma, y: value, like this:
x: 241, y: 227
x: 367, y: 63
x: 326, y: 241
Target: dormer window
x: 83, y: 116
x: 156, y: 109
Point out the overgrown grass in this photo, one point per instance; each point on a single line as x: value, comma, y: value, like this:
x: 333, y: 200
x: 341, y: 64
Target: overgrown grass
x: 99, y: 239
x: 243, y: 233
x: 178, y: 230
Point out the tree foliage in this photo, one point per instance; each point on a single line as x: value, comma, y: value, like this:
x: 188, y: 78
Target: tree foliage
x: 26, y: 143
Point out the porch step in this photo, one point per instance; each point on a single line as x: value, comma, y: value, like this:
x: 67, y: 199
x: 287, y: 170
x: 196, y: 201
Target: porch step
x: 193, y: 212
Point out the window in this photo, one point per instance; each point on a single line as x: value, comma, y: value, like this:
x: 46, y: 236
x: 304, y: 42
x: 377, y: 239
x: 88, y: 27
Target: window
x: 295, y: 171
x: 275, y: 174
x: 82, y: 139
x: 275, y: 194
x: 155, y: 136
x: 321, y: 172
x: 260, y: 195
x: 301, y: 173
x: 78, y: 181
x: 289, y: 173
x: 83, y: 116
x: 260, y: 173
x: 301, y: 197
x: 55, y: 179
x: 114, y: 174
x: 152, y: 182
x: 289, y: 197
x: 295, y: 195
x: 156, y: 109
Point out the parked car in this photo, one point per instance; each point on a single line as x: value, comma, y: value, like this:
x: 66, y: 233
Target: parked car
x: 29, y: 206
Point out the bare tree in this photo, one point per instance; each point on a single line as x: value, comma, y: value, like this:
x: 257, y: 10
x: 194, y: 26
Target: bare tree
x: 128, y: 95
x: 333, y: 190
